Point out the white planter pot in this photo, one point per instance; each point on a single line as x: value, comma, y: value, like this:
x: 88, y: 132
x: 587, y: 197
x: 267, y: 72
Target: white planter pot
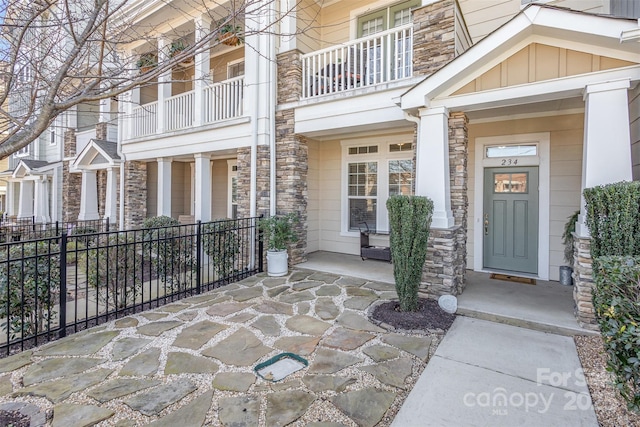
x: 277, y: 264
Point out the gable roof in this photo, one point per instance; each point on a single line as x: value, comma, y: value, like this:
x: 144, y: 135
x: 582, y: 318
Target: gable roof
x: 29, y: 167
x: 97, y: 154
x: 549, y: 25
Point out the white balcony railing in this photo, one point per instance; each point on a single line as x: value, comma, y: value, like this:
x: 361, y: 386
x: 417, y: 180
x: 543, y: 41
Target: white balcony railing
x: 221, y: 101
x: 144, y: 120
x: 379, y: 58
x: 179, y: 112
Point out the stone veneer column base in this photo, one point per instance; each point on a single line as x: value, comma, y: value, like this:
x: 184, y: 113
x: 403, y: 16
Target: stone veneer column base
x: 444, y: 269
x: 135, y: 194
x: 583, y: 283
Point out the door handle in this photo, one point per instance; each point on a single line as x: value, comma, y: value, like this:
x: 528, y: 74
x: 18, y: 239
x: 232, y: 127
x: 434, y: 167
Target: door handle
x: 486, y: 224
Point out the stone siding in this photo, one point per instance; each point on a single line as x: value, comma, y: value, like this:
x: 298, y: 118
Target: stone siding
x: 583, y: 283
x: 71, y: 182
x: 101, y: 131
x: 444, y: 271
x: 244, y: 181
x: 433, y: 37
x: 135, y: 194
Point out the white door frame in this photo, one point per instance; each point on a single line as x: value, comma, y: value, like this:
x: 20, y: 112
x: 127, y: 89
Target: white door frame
x: 542, y: 160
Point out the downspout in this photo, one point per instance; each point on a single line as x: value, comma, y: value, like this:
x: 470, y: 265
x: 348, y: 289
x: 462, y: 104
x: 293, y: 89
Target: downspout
x: 272, y: 100
x: 122, y: 170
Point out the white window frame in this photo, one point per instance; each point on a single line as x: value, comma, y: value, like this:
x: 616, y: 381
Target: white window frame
x: 232, y: 63
x: 53, y: 137
x: 23, y: 152
x: 382, y: 158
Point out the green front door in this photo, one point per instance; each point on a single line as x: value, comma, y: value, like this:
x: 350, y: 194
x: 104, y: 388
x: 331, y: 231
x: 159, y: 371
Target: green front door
x: 510, y: 219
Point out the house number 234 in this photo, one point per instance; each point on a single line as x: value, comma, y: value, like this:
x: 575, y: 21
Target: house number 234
x: 508, y: 162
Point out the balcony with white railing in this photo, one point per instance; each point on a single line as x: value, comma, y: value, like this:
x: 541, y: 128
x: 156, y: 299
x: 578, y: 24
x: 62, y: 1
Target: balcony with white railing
x: 380, y: 58
x: 220, y: 101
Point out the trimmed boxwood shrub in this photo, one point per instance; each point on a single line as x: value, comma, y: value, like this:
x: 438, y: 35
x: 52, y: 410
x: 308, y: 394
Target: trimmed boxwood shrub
x: 616, y: 300
x: 410, y: 219
x: 613, y: 218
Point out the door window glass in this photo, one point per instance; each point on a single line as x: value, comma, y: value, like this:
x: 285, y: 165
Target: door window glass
x: 510, y: 182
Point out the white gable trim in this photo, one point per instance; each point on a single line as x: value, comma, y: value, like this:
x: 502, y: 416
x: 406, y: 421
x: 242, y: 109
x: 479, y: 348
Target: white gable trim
x: 84, y: 160
x: 535, y: 24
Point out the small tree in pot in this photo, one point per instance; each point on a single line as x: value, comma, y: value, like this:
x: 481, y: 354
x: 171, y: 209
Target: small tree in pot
x: 410, y: 219
x: 278, y: 231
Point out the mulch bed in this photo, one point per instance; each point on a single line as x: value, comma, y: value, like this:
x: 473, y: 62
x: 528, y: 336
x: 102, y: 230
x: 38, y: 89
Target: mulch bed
x: 610, y: 408
x: 429, y: 316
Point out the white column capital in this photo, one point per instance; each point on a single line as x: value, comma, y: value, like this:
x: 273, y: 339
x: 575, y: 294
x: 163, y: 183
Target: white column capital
x: 202, y: 156
x: 605, y: 87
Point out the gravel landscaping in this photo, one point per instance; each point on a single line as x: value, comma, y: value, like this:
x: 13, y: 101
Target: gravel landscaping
x: 191, y: 362
x: 610, y: 408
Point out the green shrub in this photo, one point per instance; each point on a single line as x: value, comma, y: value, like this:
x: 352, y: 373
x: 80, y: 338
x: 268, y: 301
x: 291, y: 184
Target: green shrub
x: 616, y: 300
x: 613, y: 218
x: 75, y: 249
x: 172, y: 259
x: 114, y: 268
x: 222, y: 244
x: 31, y: 271
x: 410, y: 219
x: 567, y: 237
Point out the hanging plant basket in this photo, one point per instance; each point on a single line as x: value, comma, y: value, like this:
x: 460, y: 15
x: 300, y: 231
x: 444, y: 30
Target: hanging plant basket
x: 230, y: 39
x: 230, y: 34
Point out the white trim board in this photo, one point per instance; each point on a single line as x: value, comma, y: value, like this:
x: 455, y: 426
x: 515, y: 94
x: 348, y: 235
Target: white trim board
x: 543, y: 139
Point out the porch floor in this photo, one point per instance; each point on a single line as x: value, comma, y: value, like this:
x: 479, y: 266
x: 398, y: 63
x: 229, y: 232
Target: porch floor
x: 546, y: 306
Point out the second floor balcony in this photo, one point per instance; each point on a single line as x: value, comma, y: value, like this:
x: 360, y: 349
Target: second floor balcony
x: 214, y: 103
x: 380, y: 58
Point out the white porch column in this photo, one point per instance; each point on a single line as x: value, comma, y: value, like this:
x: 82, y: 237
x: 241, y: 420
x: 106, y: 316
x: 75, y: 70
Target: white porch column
x: 111, y: 202
x: 10, y: 199
x: 41, y: 200
x: 164, y: 82
x: 25, y: 205
x: 202, y: 70
x: 164, y: 186
x: 89, y: 196
x: 203, y: 187
x: 432, y: 164
x: 288, y: 25
x: 606, y: 154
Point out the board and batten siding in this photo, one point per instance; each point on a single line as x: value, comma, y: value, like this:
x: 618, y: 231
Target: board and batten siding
x: 566, y: 134
x: 484, y: 16
x: 539, y: 62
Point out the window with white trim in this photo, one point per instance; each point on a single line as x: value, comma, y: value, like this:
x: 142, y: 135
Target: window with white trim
x: 52, y: 136
x: 373, y: 172
x: 24, y: 151
x: 235, y: 69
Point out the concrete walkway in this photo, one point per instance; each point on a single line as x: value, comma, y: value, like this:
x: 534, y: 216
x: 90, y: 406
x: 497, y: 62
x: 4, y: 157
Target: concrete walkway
x: 490, y: 374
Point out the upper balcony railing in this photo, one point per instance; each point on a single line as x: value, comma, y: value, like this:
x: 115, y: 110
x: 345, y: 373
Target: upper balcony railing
x: 221, y: 101
x: 380, y: 58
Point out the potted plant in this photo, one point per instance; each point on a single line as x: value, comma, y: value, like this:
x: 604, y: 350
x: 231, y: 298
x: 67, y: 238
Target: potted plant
x: 278, y: 232
x: 229, y: 34
x: 176, y: 48
x: 147, y: 61
x: 567, y: 240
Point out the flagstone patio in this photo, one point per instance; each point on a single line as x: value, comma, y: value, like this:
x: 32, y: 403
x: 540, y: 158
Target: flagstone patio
x: 191, y: 363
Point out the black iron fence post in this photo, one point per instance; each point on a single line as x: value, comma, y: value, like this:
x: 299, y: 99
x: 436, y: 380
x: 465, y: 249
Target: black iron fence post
x: 198, y: 257
x: 260, y: 248
x: 63, y: 285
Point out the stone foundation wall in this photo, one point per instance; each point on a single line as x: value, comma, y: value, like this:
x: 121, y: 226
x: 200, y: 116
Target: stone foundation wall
x: 71, y: 182
x: 583, y: 283
x: 135, y: 196
x: 433, y: 37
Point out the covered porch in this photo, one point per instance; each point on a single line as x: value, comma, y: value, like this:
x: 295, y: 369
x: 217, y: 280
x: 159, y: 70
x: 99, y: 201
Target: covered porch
x: 546, y: 306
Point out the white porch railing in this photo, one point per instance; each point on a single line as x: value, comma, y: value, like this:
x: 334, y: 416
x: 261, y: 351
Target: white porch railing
x: 179, y: 111
x: 144, y: 120
x: 379, y: 58
x: 223, y: 100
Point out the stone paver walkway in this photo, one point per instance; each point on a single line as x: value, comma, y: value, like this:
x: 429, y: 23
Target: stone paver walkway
x: 191, y: 363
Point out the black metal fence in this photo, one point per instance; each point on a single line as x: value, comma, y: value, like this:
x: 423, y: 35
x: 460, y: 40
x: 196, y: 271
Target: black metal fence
x: 28, y: 229
x: 54, y: 286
